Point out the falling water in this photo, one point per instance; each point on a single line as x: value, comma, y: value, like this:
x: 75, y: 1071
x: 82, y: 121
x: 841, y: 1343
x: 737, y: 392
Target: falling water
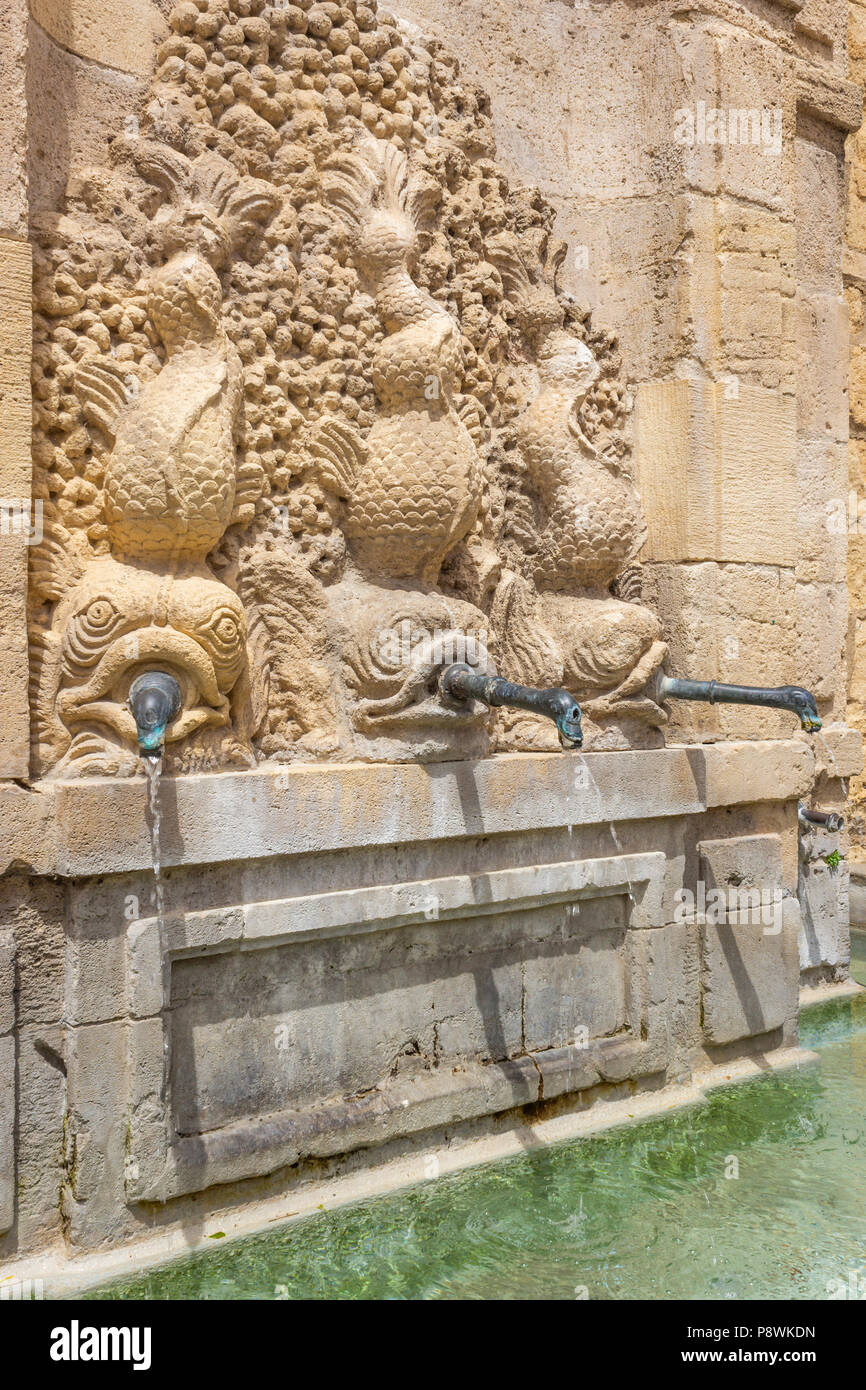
x: 828, y: 752
x: 621, y: 851
x: 586, y: 780
x: 153, y: 769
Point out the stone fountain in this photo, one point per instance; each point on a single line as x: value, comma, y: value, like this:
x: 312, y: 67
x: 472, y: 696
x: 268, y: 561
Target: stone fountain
x: 341, y: 516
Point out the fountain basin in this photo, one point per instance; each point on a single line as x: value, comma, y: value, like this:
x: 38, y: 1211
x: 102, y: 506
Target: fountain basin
x: 590, y: 1217
x: 353, y: 961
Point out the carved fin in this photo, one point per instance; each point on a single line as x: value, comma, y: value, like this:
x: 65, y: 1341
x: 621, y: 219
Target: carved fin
x: 528, y: 652
x: 339, y: 453
x: 348, y: 183
x: 159, y: 164
x: 395, y: 178
x: 472, y: 415
x: 249, y: 486
x: 56, y: 563
x: 423, y: 198
x: 101, y: 386
x: 503, y: 252
x: 240, y: 203
x: 556, y: 255
x: 287, y: 641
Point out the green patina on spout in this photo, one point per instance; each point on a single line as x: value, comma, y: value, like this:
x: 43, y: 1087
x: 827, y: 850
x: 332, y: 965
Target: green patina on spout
x: 154, y: 699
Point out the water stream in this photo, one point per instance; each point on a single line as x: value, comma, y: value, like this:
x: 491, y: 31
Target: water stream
x: 585, y: 780
x: 153, y: 771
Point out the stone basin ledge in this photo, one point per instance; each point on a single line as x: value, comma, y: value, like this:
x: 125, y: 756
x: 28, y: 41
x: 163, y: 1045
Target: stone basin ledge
x: 99, y: 826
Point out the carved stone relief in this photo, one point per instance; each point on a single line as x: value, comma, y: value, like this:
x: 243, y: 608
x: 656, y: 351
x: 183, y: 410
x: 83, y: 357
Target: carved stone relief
x: 313, y: 419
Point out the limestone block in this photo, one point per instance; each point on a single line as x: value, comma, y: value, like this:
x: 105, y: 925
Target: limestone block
x: 823, y: 894
x: 824, y: 20
x: 778, y: 771
x: 90, y: 29
x: 852, y: 514
x: 86, y: 101
x: 29, y: 816
x: 857, y: 897
x: 855, y: 223
x: 102, y: 828
x: 749, y: 977
x: 858, y: 385
x: 751, y: 304
x: 35, y: 911
x: 824, y: 511
x: 832, y: 101
x: 819, y: 195
x: 716, y: 472
x: 632, y: 250
x: 839, y: 751
x: 15, y: 491
x: 744, y: 861
x: 7, y: 1079
x: 601, y: 126
x: 822, y: 358
x: 40, y: 1133
x: 753, y: 251
x: 7, y: 1132
x: 733, y: 623
x: 752, y: 77
x: 96, y: 971
x: 13, y: 119
x: 7, y: 981
x: 486, y: 987
x: 96, y: 1058
x: 822, y: 635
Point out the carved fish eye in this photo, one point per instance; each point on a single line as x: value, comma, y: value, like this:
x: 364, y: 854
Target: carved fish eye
x: 99, y: 615
x: 91, y: 630
x: 223, y: 630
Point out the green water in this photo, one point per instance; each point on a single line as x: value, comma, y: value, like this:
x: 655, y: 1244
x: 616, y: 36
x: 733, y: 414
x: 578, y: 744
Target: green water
x: 646, y: 1211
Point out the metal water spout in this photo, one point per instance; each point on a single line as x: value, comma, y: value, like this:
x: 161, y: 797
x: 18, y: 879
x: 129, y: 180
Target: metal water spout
x: 459, y: 682
x: 829, y: 820
x: 791, y: 697
x: 155, y: 699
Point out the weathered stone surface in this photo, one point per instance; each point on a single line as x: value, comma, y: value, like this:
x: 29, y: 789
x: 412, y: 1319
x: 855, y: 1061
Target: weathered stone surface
x: 716, y: 473
x: 7, y: 1132
x: 823, y: 894
x: 750, y: 977
x: 100, y: 826
x: 13, y: 120
x: 89, y: 28
x: 15, y: 503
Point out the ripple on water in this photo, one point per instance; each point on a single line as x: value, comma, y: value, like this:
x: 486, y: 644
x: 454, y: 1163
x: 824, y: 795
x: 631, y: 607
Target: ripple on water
x: 645, y: 1211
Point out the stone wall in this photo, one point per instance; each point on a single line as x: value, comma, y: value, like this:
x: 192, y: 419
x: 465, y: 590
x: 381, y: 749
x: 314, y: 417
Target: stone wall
x: 854, y: 510
x: 719, y: 266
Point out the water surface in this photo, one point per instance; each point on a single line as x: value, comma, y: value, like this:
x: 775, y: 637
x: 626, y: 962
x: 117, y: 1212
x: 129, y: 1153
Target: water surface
x: 758, y: 1193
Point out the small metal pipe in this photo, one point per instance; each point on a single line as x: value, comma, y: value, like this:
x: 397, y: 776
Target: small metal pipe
x: 460, y: 682
x: 791, y: 697
x: 154, y: 699
x: 830, y: 820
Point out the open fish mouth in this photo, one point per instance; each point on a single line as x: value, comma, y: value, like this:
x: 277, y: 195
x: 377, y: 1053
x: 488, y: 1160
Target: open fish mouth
x: 103, y: 699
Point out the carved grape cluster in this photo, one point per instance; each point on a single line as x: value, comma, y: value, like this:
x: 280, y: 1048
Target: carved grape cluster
x: 278, y: 90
